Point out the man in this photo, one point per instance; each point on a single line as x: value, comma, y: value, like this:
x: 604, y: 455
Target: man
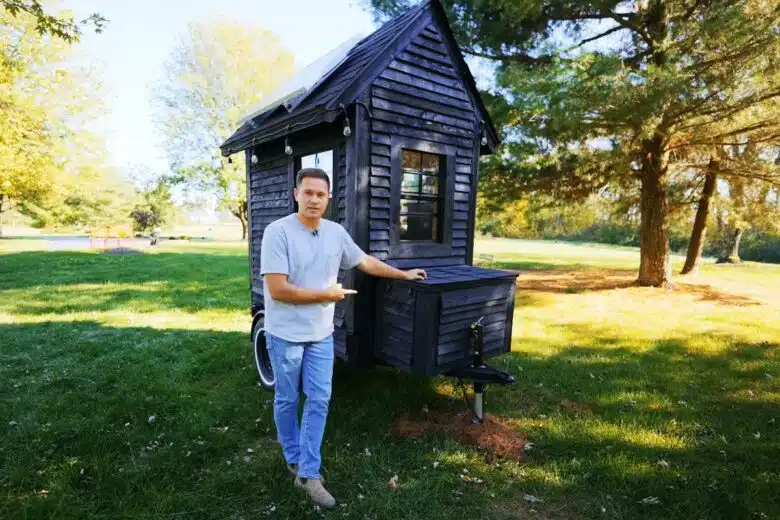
x: 300, y: 258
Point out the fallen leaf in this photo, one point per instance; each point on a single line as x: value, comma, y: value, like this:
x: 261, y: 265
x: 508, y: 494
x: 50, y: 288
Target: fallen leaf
x: 650, y: 501
x: 435, y: 464
x: 43, y: 493
x: 393, y: 482
x: 367, y: 453
x: 152, y: 419
x: 663, y: 463
x: 250, y: 450
x: 757, y: 435
x: 532, y: 499
x: 360, y: 497
x: 466, y: 478
x: 528, y: 446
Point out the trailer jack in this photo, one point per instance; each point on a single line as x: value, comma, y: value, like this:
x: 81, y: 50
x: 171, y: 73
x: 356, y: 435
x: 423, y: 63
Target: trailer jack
x: 479, y: 373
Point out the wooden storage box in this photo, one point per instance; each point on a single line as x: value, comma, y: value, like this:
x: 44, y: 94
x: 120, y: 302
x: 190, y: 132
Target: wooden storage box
x: 423, y: 326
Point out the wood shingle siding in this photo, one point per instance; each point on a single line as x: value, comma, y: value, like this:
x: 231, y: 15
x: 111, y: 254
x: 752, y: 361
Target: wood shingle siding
x: 421, y: 97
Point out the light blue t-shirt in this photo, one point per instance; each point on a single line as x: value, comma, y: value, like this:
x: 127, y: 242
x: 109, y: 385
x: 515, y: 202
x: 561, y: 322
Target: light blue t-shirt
x: 311, y: 261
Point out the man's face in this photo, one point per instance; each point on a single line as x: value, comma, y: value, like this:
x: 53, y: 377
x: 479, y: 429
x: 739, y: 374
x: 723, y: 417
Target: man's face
x: 312, y: 197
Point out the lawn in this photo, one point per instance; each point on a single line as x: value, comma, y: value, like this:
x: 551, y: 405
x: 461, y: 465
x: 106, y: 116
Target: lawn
x: 127, y: 391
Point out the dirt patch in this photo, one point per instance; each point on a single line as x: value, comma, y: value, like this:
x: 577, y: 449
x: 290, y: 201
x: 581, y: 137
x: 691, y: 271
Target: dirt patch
x: 493, y: 435
x: 574, y: 281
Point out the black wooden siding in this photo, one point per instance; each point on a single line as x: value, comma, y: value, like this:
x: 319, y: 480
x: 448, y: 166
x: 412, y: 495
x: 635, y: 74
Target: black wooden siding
x: 461, y: 308
x: 269, y: 192
x: 395, y: 330
x: 421, y: 96
x: 340, y: 198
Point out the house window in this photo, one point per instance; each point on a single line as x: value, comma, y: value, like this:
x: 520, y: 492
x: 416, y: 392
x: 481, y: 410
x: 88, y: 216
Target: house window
x: 324, y: 161
x: 421, y: 202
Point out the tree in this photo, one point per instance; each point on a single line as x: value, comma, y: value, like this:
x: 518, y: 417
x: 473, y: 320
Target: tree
x: 60, y: 25
x: 615, y: 91
x: 213, y: 78
x: 46, y: 149
x: 156, y: 208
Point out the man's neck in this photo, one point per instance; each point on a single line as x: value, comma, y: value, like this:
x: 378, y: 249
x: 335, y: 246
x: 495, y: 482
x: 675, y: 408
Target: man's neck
x: 310, y: 223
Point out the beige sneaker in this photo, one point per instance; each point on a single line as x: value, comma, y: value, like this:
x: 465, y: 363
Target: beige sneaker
x: 316, y: 491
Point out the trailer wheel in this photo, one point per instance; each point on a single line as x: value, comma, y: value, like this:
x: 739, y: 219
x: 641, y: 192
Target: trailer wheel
x: 265, y: 372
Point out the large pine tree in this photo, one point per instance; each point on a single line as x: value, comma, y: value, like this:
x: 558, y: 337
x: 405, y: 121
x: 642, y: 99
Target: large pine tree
x: 598, y: 92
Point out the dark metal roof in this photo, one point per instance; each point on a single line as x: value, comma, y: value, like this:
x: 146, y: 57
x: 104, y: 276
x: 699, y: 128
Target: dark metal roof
x: 343, y: 85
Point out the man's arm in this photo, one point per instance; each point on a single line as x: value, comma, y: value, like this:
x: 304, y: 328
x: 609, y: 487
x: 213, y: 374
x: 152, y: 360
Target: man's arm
x: 376, y: 267
x: 282, y: 290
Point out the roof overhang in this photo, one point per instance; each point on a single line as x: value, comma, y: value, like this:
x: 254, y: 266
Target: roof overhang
x: 288, y: 125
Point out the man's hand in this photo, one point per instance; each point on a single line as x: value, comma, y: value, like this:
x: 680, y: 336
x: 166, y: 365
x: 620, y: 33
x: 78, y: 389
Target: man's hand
x: 415, y: 274
x: 336, y: 292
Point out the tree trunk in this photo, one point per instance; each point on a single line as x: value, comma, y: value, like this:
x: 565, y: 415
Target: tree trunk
x: 242, y: 214
x: 699, y: 232
x: 243, y: 227
x: 654, y: 265
x: 732, y: 255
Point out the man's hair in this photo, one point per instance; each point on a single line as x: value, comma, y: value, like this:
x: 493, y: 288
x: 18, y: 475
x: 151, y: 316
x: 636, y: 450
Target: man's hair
x: 314, y: 173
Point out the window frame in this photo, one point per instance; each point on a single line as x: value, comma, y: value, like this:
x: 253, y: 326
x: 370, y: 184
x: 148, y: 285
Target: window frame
x: 422, y: 248
x: 421, y: 197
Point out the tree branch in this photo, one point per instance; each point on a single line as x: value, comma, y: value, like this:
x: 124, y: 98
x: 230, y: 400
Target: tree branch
x: 590, y: 16
x: 523, y: 59
x: 594, y: 38
x: 632, y: 26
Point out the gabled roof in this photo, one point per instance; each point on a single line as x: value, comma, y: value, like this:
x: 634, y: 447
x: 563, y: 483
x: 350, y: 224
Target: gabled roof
x: 353, y: 72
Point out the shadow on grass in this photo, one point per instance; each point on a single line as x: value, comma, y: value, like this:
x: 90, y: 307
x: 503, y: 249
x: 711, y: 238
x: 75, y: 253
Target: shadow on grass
x: 567, y: 280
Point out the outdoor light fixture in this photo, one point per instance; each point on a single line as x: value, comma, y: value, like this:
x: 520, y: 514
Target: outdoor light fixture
x: 230, y: 160
x: 253, y: 159
x: 347, y: 129
x: 484, y: 140
x: 287, y: 148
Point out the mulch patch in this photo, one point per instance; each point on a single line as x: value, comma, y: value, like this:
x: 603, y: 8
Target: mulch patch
x: 493, y: 436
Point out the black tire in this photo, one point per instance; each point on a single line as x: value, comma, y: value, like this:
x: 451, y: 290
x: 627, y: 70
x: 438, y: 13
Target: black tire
x: 265, y: 372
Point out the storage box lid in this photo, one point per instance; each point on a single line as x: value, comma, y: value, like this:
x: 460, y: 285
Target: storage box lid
x: 462, y: 274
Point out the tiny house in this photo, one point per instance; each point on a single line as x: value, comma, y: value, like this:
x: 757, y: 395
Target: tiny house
x: 396, y: 120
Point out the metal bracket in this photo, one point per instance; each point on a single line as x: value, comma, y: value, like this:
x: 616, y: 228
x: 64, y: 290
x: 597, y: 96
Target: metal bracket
x: 479, y: 373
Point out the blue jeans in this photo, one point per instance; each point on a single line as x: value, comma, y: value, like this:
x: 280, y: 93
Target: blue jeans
x: 314, y: 362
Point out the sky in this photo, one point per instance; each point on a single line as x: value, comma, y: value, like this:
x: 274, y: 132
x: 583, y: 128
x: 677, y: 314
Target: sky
x: 130, y: 54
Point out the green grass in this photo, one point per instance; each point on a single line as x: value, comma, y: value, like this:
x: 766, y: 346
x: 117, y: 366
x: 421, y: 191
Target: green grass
x: 625, y: 392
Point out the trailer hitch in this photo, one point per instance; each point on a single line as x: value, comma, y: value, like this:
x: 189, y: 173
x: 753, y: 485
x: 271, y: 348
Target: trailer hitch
x: 480, y: 373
